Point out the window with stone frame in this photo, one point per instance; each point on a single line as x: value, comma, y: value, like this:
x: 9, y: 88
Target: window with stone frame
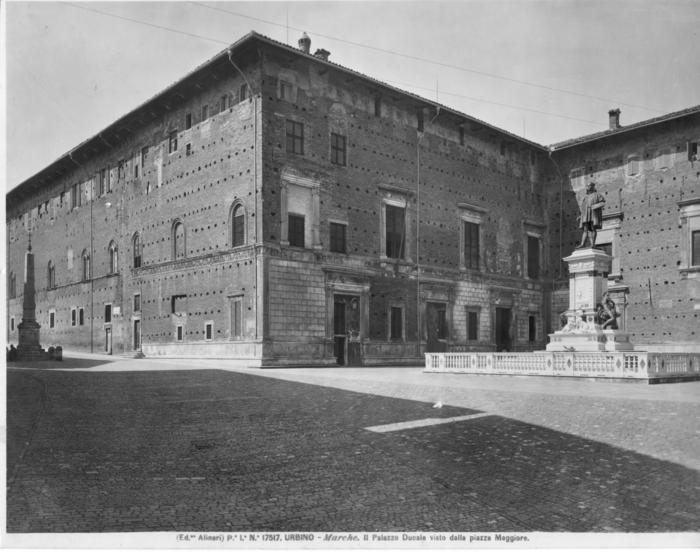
x: 172, y: 142
x: 137, y: 250
x: 337, y: 149
x: 396, y: 323
x: 533, y: 257
x: 471, y: 245
x: 395, y: 219
x: 472, y: 323
x: 286, y: 90
x: 81, y: 317
x: 178, y: 236
x: 236, y: 308
x: 238, y: 226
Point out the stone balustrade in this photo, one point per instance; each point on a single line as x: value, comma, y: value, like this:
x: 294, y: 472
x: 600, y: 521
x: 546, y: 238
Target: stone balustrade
x: 638, y: 365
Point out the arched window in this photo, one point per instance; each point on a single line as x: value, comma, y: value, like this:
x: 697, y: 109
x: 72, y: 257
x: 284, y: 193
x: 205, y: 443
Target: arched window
x: 137, y: 250
x: 51, y: 276
x: 113, y: 258
x: 86, y: 265
x: 238, y: 226
x: 178, y: 241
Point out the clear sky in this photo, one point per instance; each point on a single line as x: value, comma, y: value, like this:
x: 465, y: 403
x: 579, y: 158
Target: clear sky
x: 70, y: 71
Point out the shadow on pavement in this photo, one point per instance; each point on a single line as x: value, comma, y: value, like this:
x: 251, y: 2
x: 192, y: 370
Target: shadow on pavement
x: 226, y: 451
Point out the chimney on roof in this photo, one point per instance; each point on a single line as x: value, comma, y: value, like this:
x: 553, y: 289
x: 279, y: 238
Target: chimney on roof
x: 305, y: 43
x: 614, y: 118
x: 322, y: 54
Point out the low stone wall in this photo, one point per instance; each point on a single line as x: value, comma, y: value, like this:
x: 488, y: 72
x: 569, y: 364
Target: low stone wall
x: 650, y: 367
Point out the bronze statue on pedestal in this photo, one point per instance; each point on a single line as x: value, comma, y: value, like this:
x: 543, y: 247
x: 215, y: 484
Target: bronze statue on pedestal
x: 591, y: 218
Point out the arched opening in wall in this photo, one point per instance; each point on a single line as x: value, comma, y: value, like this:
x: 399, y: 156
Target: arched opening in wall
x: 179, y: 251
x: 137, y: 250
x: 51, y: 276
x: 86, y: 265
x: 113, y: 258
x: 237, y: 225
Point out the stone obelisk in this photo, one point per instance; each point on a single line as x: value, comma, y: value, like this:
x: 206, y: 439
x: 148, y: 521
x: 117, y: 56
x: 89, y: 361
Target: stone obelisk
x: 29, y: 346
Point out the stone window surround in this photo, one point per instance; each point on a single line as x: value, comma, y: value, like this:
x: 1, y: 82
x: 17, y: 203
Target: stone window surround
x: 446, y: 296
x: 689, y: 223
x: 398, y: 197
x: 536, y: 230
x: 209, y: 323
x: 111, y: 313
x: 403, y: 305
x: 474, y: 214
x: 133, y: 302
x: 313, y: 217
x: 177, y: 326
x: 236, y: 203
x: 339, y: 287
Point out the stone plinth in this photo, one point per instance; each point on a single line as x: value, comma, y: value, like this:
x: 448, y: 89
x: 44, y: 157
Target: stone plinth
x: 29, y: 343
x: 588, y: 281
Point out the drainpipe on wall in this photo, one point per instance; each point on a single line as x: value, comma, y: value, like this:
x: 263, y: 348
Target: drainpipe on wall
x: 70, y: 154
x: 255, y: 184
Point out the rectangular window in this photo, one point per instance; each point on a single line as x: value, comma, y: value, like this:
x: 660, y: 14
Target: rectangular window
x: 633, y: 165
x: 81, y: 317
x: 205, y: 112
x: 285, y: 91
x: 180, y: 333
x: 461, y: 136
x: 223, y: 103
x: 396, y: 323
x: 238, y: 228
x: 12, y: 324
x: 532, y: 328
x: 337, y: 149
x: 577, y: 179
x: 338, y: 244
x: 172, y: 142
x: 242, y: 93
x: 72, y: 317
x: 503, y: 147
x: 188, y: 121
x: 137, y: 302
x: 74, y: 195
x: 419, y: 113
x: 296, y: 230
x: 52, y: 319
x: 144, y: 157
x: 395, y: 238
x: 471, y: 245
x: 108, y: 313
x: 533, y: 257
x: 664, y: 159
x: 62, y: 198
x: 695, y: 251
x: 693, y: 151
x: 472, y: 325
x: 208, y: 330
x: 377, y: 106
x: 295, y: 137
x: 236, y: 318
x: 188, y: 149
x: 101, y: 181
x: 136, y: 169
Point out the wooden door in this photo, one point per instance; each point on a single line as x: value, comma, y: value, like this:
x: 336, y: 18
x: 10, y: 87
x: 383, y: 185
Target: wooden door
x: 503, y: 337
x: 436, y: 324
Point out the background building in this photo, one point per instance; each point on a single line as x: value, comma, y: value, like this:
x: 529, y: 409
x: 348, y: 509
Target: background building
x: 264, y: 209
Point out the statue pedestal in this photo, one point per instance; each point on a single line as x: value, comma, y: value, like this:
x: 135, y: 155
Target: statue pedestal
x: 588, y: 281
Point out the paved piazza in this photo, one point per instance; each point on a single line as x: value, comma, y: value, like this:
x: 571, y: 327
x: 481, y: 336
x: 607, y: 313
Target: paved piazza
x: 154, y: 445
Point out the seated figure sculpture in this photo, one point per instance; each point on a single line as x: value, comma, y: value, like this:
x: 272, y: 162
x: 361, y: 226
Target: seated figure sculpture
x: 607, y: 313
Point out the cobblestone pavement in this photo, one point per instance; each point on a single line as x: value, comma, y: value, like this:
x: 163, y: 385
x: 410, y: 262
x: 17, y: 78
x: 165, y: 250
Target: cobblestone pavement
x: 144, y: 445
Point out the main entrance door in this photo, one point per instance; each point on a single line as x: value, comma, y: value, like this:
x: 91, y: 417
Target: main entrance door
x: 503, y: 338
x: 346, y: 330
x: 137, y: 335
x: 436, y: 323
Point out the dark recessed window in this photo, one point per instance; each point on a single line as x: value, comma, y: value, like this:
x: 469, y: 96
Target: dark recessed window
x: 188, y: 121
x: 338, y: 244
x: 503, y: 147
x: 188, y: 149
x: 532, y: 328
x: 223, y: 103
x: 180, y: 333
x: 295, y: 137
x: 285, y: 91
x: 137, y: 251
x: 296, y: 230
x: 242, y: 92
x: 533, y: 257
x: 205, y: 112
x: 236, y: 318
x: 72, y: 317
x: 108, y: 313
x: 172, y: 142
x: 52, y: 319
x: 137, y: 302
x: 337, y: 149
x: 395, y: 238
x: 208, y: 328
x: 419, y: 113
x: 461, y: 136
x: 471, y: 245
x: 396, y: 323
x: 377, y: 106
x: 472, y: 325
x: 81, y: 317
x: 238, y: 237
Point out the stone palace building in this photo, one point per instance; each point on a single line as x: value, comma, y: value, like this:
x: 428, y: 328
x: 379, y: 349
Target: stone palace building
x: 265, y: 209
